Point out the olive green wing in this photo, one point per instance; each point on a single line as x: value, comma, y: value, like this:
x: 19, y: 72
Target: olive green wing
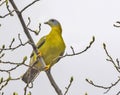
x: 39, y: 44
x: 32, y: 73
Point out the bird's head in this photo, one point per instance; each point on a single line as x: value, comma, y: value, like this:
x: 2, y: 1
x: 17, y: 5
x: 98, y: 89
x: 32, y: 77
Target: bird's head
x: 53, y: 23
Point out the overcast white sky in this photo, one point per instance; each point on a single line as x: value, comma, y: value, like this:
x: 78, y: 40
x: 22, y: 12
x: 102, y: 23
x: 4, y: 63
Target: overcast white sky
x: 80, y: 20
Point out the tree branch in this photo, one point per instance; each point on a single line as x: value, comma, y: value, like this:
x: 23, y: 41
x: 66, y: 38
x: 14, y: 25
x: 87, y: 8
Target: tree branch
x: 117, y: 67
x: 53, y: 83
x: 34, y: 31
x: 116, y: 64
x: 108, y: 88
x: 15, y: 47
x: 77, y: 53
x: 28, y: 5
x: 68, y: 87
x: 34, y: 46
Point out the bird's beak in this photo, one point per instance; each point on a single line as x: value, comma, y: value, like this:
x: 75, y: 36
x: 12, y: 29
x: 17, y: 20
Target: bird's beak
x: 46, y: 22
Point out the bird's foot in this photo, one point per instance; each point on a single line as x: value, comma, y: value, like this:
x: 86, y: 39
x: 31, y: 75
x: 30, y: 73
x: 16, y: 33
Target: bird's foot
x: 39, y: 54
x: 47, y: 67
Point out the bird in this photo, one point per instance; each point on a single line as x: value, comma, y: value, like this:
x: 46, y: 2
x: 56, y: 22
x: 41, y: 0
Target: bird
x: 50, y: 47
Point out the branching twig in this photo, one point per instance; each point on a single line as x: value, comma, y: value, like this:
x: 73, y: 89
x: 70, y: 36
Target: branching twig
x: 3, y: 82
x: 13, y: 63
x: 104, y: 87
x: 34, y: 31
x: 14, y: 48
x: 7, y: 6
x: 67, y: 88
x: 26, y: 30
x: 29, y: 5
x: 78, y: 53
x: 116, y: 65
x: 57, y: 89
x: 7, y: 14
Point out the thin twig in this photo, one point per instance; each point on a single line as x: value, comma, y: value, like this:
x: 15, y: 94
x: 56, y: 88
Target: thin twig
x: 29, y: 5
x: 78, y: 53
x: 26, y: 30
x: 29, y: 21
x: 2, y: 2
x: 7, y: 6
x: 14, y: 48
x: 11, y: 42
x: 2, y: 55
x: 3, y: 83
x: 34, y: 31
x: 7, y: 14
x: 68, y: 87
x: 58, y: 91
x: 118, y: 93
x: 25, y: 89
x: 117, y: 67
x: 104, y: 87
x: 110, y: 58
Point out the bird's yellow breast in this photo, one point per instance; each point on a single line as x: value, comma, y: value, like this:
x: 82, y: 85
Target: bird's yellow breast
x: 53, y: 47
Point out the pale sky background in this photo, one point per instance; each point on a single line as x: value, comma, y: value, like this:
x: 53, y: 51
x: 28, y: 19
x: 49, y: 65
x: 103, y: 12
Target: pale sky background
x: 80, y: 20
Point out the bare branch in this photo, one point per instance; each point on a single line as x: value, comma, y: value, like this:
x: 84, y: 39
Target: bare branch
x: 26, y: 31
x: 2, y: 2
x: 2, y: 55
x: 116, y: 65
x: 104, y: 87
x: 25, y: 89
x: 3, y: 82
x: 53, y: 83
x: 13, y: 63
x: 118, y: 93
x: 29, y: 21
x: 29, y: 5
x: 72, y: 50
x: 7, y: 6
x: 58, y: 91
x: 74, y: 53
x: 14, y: 48
x: 11, y: 42
x: 34, y: 31
x: 7, y: 14
x: 68, y: 87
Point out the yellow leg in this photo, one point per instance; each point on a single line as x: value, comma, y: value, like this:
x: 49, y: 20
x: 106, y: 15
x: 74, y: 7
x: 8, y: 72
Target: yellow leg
x: 47, y: 67
x: 39, y: 54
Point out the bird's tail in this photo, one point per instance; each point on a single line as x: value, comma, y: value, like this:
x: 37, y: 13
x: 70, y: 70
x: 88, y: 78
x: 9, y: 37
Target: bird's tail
x: 30, y: 75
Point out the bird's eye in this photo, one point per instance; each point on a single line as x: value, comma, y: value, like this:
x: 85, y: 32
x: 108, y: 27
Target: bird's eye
x: 52, y: 20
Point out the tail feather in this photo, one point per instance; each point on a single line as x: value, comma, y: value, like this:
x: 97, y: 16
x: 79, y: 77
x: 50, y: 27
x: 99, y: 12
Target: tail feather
x: 30, y: 75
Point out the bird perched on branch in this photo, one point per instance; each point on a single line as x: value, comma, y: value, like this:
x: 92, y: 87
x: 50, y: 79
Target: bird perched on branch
x: 50, y: 48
